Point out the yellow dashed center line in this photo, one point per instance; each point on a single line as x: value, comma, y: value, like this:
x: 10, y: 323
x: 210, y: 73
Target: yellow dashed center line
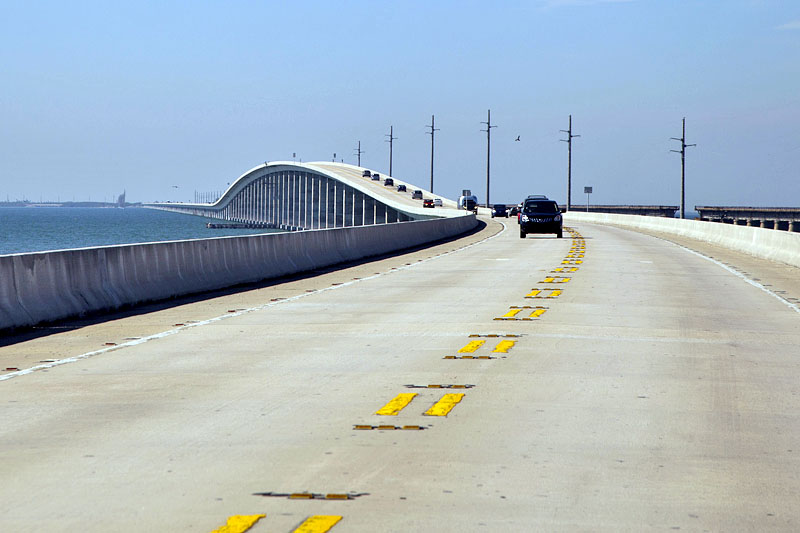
x: 318, y: 524
x: 471, y: 347
x: 396, y: 405
x: 239, y: 523
x: 445, y: 405
x: 533, y: 294
x: 512, y: 313
x: 503, y: 347
x: 537, y: 313
x: 555, y: 293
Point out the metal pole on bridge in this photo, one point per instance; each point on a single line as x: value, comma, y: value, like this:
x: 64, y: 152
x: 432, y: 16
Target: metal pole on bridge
x: 568, y: 140
x: 488, y: 131
x: 359, y: 152
x: 432, y: 134
x: 389, y: 140
x: 682, y: 151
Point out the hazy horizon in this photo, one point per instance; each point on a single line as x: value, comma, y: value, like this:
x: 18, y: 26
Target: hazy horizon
x: 162, y: 100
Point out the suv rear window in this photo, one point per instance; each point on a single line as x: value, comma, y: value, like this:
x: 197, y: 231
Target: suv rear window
x: 541, y: 206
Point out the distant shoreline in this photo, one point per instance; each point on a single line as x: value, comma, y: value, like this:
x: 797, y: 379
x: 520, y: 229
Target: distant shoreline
x: 68, y: 204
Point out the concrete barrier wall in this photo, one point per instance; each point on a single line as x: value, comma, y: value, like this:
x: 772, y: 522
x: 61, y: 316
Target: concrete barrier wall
x: 47, y: 286
x: 760, y: 242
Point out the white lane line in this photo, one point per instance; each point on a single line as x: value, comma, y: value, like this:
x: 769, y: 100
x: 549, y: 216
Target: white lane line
x: 794, y: 307
x: 163, y: 334
x: 741, y: 276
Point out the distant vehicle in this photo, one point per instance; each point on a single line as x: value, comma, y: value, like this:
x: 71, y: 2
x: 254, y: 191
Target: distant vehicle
x: 388, y: 182
x: 437, y: 202
x: 376, y: 177
x: 536, y: 197
x: 540, y: 216
x: 366, y: 174
x: 468, y: 203
x: 401, y: 188
x: 499, y: 210
x: 427, y: 202
x: 416, y: 195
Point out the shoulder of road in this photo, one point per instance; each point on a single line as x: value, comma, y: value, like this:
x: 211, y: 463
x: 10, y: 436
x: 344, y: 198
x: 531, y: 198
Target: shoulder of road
x: 74, y: 337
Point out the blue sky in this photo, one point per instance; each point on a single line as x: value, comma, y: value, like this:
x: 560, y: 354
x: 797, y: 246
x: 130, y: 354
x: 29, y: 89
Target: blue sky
x: 102, y: 96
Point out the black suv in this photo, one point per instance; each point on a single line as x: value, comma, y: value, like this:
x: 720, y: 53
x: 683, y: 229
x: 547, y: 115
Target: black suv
x: 499, y: 210
x: 540, y: 216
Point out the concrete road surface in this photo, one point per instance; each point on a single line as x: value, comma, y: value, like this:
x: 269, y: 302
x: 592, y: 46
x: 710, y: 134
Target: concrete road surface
x: 606, y: 381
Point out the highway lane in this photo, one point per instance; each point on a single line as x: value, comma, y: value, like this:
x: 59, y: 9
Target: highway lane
x: 656, y: 391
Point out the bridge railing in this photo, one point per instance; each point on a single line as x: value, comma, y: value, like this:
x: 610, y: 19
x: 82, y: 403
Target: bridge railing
x: 48, y: 286
x: 765, y: 243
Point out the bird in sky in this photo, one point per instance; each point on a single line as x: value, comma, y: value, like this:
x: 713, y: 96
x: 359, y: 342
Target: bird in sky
x: 517, y: 138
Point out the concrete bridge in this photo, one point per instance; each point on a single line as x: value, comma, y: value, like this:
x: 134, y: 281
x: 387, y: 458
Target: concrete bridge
x: 640, y: 375
x: 779, y: 218
x: 294, y: 196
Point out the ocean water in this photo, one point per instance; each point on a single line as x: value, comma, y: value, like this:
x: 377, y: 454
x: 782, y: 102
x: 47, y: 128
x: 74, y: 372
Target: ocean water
x: 35, y: 229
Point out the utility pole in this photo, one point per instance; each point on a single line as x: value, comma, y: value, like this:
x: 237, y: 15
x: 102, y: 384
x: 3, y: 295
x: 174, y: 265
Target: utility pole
x: 432, y: 134
x: 568, y: 140
x: 359, y: 152
x: 682, y: 151
x: 488, y: 131
x: 389, y: 140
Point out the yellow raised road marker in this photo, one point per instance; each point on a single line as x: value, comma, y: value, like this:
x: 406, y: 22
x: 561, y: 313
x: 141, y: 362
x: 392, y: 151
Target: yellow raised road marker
x: 239, y: 523
x: 503, y: 346
x: 512, y: 313
x: 397, y: 404
x: 445, y: 405
x: 493, y: 335
x: 318, y: 524
x: 537, y: 294
x: 471, y: 347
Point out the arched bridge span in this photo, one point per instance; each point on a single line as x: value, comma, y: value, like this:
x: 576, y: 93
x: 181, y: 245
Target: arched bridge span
x: 295, y: 196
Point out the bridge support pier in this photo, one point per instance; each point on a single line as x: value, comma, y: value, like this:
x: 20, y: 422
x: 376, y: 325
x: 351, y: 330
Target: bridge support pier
x: 794, y: 225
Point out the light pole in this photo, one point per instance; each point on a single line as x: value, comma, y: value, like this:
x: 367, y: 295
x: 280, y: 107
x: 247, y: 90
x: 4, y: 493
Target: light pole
x: 568, y: 140
x: 359, y: 152
x: 389, y: 140
x: 682, y: 151
x: 488, y: 131
x: 432, y: 133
